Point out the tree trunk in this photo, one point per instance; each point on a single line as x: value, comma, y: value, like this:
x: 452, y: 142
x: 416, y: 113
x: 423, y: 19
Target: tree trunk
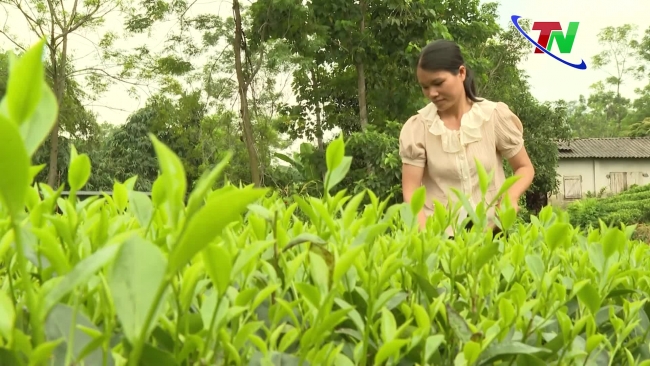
x: 243, y: 92
x: 361, y: 75
x: 319, y: 122
x: 59, y: 68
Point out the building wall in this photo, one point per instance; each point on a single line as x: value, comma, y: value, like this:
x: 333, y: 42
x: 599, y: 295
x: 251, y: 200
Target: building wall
x: 579, y: 176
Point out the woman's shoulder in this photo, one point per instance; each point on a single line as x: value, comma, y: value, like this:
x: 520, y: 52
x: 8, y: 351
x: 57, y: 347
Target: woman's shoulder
x: 495, y: 110
x: 414, y: 122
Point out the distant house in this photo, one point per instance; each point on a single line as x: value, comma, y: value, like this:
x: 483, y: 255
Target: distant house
x: 607, y: 165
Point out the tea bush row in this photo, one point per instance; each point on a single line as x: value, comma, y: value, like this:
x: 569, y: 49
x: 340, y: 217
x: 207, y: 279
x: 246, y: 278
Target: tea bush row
x: 629, y: 207
x: 236, y: 277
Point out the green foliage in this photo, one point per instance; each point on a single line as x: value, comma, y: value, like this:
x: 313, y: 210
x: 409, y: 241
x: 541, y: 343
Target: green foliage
x: 376, y: 164
x: 607, y: 111
x: 629, y: 207
x: 236, y: 277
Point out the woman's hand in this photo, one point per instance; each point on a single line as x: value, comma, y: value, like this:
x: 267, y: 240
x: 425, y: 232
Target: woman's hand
x: 514, y: 201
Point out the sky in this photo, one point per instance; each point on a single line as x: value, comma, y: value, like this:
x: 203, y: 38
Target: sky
x: 552, y: 80
x: 549, y: 79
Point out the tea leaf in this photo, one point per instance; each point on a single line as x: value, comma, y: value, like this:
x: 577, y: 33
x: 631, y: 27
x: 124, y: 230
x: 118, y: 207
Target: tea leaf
x: 612, y: 240
x: 486, y: 254
x: 509, y: 182
x: 209, y: 221
x: 506, y: 310
x: 305, y: 238
x: 15, y: 163
x: 7, y: 316
x: 417, y: 200
x: 25, y: 83
x: 79, y: 274
x: 335, y: 176
x: 247, y: 254
x: 424, y: 285
x: 141, y: 206
x: 497, y: 351
x: 77, y: 331
x: 173, y: 176
x: 530, y: 360
x: 204, y: 184
x: 334, y: 154
x: 38, y: 126
x: 152, y: 356
x: 589, y: 297
x: 120, y: 196
x: 466, y: 205
x: 432, y: 344
x: 557, y: 235
x: 218, y: 265
x: 309, y: 293
x: 535, y: 265
x: 34, y: 170
x: 507, y: 218
x: 471, y: 350
x: 319, y: 271
x: 10, y: 358
x: 483, y: 177
x: 44, y: 352
x: 594, y: 341
x: 79, y: 172
x: 388, y: 325
x: 389, y: 349
x: 135, y: 279
x: 344, y: 262
x: 459, y: 325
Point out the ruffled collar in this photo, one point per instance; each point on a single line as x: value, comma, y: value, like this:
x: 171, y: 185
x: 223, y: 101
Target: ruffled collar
x: 470, y: 125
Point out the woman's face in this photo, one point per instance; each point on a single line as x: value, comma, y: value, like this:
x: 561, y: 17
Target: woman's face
x: 443, y: 88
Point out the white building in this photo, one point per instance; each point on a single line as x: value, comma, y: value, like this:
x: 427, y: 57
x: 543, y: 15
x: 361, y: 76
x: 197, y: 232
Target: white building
x: 602, y: 166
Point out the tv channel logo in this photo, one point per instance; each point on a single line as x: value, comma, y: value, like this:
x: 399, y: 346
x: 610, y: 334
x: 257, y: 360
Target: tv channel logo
x: 551, y: 33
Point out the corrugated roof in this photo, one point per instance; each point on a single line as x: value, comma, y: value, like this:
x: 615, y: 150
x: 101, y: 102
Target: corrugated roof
x: 605, y: 148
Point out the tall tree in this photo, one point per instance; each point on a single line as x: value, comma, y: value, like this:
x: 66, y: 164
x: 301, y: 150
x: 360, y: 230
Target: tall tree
x: 328, y: 37
x: 618, y: 59
x: 244, y: 82
x: 57, y: 22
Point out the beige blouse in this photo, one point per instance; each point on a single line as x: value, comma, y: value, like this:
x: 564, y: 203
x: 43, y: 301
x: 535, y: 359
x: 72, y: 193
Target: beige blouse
x: 488, y: 132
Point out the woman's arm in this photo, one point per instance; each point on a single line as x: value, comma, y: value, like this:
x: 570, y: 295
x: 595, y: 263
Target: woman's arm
x: 412, y: 180
x: 509, y: 133
x: 523, y: 168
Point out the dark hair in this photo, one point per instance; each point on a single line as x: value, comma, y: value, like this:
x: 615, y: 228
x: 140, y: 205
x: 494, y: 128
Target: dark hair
x: 445, y: 55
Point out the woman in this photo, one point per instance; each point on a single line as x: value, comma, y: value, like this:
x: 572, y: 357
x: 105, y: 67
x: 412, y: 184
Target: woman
x: 439, y: 145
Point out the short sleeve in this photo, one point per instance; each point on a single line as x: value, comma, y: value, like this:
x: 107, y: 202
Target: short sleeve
x: 509, y: 131
x: 411, y: 142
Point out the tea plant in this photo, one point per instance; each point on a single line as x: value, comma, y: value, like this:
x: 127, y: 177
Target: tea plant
x: 234, y: 276
x: 632, y: 205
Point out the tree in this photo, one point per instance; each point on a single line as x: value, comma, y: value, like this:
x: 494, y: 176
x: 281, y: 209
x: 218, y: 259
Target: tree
x: 620, y: 53
x: 334, y: 50
x: 56, y: 22
x: 77, y: 123
x: 640, y: 129
x: 587, y: 118
x: 244, y: 83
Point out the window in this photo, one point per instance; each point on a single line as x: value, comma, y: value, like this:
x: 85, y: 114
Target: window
x: 572, y: 187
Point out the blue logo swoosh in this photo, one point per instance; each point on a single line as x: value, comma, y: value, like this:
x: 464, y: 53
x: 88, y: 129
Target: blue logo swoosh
x: 580, y: 66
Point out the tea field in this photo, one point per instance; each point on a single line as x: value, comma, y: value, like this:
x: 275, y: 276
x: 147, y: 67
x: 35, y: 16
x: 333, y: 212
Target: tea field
x: 632, y: 205
x: 236, y: 276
